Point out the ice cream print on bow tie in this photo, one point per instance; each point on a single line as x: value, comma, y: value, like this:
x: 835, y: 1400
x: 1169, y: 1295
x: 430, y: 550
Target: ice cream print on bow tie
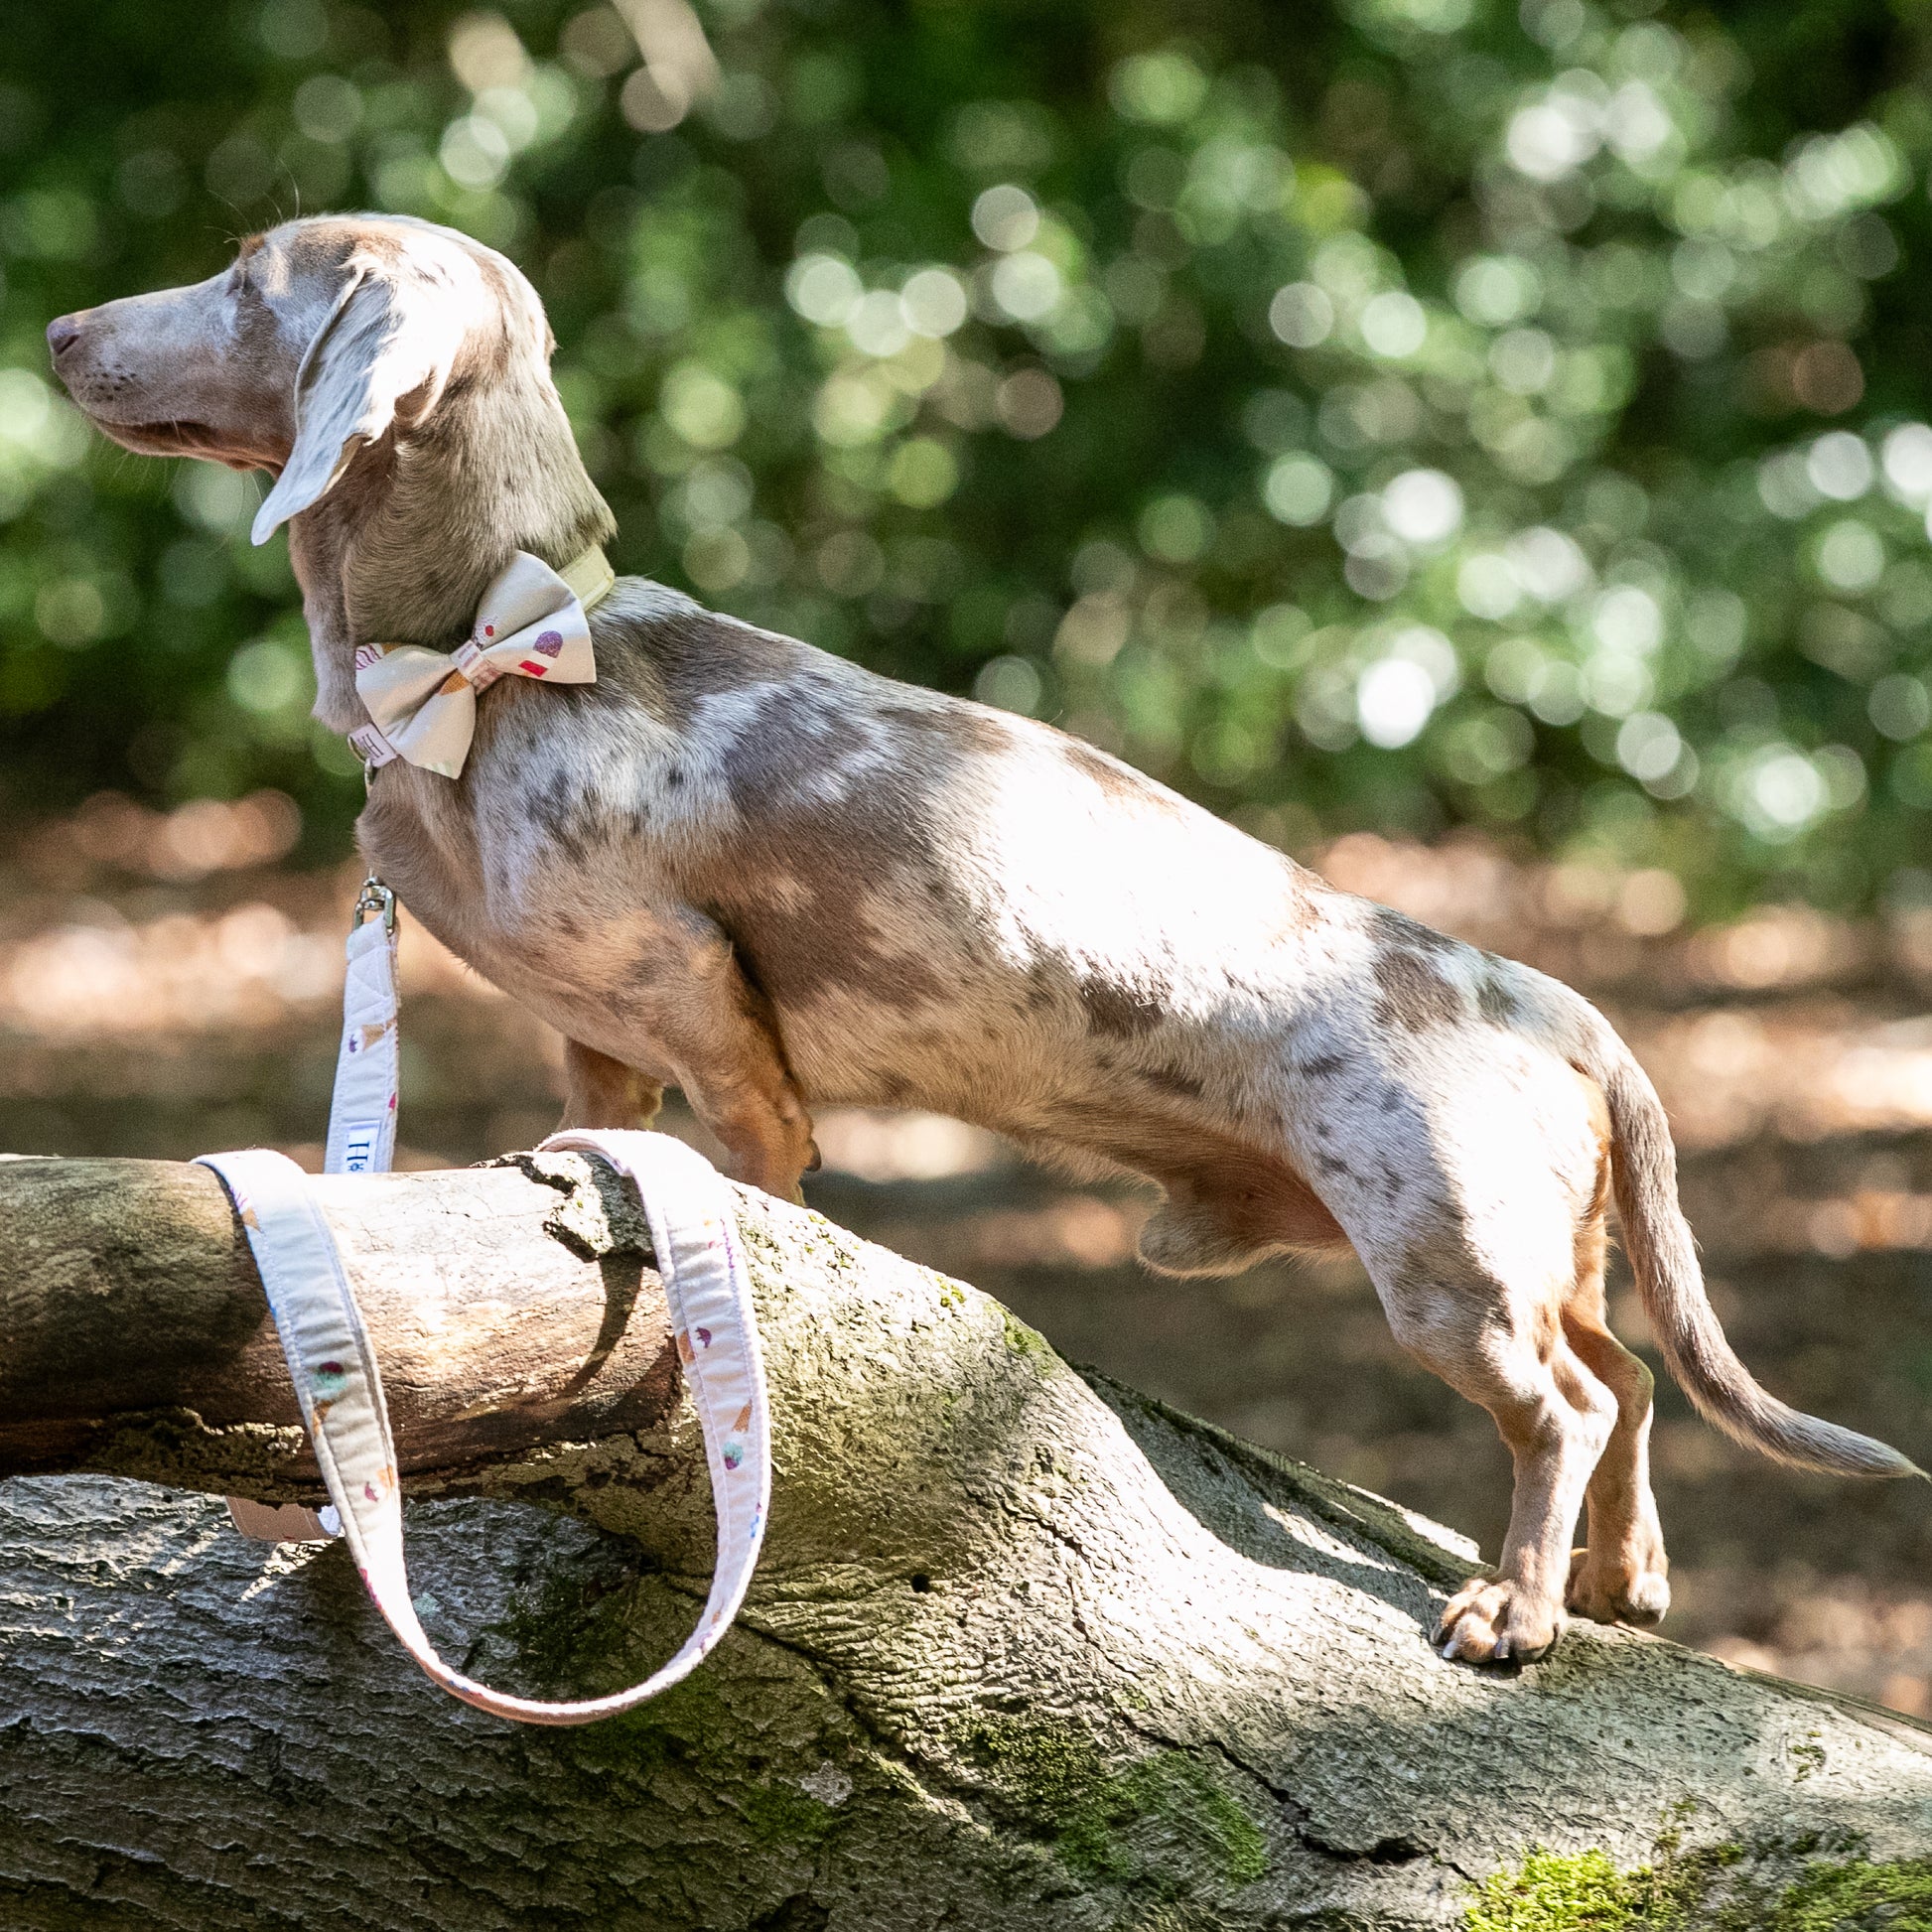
x: 530, y: 624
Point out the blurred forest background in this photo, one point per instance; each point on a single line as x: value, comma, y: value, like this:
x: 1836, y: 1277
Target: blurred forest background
x: 1487, y: 453
x: 1395, y: 413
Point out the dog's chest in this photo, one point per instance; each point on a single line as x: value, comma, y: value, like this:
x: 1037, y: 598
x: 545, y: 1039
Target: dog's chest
x: 515, y: 876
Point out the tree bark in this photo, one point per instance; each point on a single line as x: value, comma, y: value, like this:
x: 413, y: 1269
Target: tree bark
x: 1026, y: 1649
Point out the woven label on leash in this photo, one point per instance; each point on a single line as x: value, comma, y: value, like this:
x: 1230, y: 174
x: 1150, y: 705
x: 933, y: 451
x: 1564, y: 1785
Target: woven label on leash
x: 693, y: 1233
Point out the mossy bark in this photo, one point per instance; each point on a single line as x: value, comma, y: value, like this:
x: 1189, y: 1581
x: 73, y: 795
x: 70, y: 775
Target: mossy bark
x: 1026, y: 1648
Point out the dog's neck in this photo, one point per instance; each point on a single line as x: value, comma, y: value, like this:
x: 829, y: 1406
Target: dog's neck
x: 404, y: 545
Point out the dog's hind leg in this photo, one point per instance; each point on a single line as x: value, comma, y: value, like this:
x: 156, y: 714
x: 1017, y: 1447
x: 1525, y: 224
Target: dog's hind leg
x: 1555, y: 1417
x: 601, y: 1092
x: 1485, y: 1317
x: 1621, y: 1576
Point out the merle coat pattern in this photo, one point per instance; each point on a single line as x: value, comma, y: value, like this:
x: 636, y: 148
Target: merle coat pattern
x: 754, y: 871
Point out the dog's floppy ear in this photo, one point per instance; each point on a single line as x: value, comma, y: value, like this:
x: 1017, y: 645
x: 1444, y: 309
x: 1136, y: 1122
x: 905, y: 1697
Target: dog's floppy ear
x: 387, y: 337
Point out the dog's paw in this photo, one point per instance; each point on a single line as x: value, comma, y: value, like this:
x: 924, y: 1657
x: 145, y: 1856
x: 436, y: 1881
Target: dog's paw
x: 1491, y: 1622
x: 1617, y: 1591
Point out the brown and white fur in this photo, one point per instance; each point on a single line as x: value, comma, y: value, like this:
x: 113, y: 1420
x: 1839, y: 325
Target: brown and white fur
x: 743, y: 867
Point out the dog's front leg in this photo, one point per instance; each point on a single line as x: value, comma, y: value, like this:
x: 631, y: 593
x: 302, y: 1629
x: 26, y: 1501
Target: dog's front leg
x: 601, y: 1092
x: 702, y: 1023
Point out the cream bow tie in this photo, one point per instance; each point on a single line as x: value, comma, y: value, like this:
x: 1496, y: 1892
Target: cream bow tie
x: 530, y: 624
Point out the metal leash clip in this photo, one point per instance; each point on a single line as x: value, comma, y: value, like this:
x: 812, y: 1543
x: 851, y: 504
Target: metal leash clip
x: 375, y: 897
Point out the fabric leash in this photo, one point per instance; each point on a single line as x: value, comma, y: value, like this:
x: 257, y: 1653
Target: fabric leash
x: 532, y: 622
x: 369, y: 1064
x: 361, y: 1132
x: 687, y: 1205
x: 693, y: 1233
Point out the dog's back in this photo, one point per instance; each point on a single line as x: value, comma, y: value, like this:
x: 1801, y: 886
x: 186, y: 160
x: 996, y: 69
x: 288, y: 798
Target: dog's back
x: 947, y: 905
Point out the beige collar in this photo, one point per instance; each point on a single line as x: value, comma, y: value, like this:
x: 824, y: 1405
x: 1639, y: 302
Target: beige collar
x: 589, y: 576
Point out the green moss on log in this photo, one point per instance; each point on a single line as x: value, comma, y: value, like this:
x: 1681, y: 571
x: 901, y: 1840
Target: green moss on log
x: 1860, y: 1897
x: 1028, y: 1342
x: 572, y: 1625
x: 1580, y: 1892
x: 1721, y: 1888
x: 1105, y: 1823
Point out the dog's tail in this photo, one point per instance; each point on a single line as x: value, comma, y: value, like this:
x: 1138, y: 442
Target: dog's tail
x: 1663, y: 1257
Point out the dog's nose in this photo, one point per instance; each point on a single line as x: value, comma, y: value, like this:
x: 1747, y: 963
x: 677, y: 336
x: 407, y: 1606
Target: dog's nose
x: 61, y: 333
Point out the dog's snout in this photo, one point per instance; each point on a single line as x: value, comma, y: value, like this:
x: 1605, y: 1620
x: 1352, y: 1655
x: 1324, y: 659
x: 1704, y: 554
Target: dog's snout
x: 62, y: 334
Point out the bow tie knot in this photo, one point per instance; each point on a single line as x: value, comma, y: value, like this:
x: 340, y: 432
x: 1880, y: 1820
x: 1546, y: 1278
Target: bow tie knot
x: 531, y: 622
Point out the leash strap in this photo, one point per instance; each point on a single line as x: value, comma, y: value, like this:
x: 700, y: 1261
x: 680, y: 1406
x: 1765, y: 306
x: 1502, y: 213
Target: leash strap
x: 362, y: 1113
x: 694, y: 1237
x: 361, y: 1131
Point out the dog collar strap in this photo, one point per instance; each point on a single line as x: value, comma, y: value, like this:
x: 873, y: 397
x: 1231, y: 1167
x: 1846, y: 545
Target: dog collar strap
x: 693, y: 1233
x: 531, y: 622
x: 589, y: 577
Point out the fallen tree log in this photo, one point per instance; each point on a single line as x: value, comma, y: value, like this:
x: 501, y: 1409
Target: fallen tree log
x: 1027, y: 1649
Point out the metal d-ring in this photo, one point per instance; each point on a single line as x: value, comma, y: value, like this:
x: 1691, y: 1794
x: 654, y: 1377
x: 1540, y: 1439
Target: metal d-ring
x: 375, y: 897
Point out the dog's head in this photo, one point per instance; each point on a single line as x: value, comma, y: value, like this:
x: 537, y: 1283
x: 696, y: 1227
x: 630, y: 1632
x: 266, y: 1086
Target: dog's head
x: 319, y: 338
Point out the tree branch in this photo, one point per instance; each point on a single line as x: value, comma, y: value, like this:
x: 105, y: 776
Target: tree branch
x: 505, y: 1313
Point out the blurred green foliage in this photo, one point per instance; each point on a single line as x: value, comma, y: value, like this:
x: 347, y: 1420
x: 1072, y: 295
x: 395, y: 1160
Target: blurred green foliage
x: 1380, y: 412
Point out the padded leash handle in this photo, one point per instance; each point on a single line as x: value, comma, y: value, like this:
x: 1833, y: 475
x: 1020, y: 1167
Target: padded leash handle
x: 694, y: 1236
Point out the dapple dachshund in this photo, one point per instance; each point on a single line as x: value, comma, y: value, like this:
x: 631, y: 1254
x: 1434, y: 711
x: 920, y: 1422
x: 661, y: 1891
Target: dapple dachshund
x: 735, y: 864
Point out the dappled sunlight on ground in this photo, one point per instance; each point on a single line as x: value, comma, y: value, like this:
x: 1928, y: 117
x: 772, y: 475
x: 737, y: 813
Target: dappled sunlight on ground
x: 166, y: 987
x: 142, y: 963
x: 1843, y: 1633
x: 879, y: 1146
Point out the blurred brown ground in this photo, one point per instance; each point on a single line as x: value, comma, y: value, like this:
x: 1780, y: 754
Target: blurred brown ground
x: 167, y: 986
